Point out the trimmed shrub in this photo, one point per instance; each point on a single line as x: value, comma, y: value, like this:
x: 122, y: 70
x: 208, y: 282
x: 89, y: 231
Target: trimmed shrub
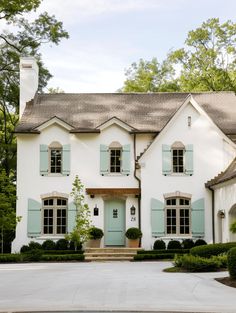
x: 207, y: 251
x: 33, y: 255
x: 49, y: 245
x: 142, y: 257
x: 174, y: 244
x: 35, y: 245
x: 62, y: 244
x: 187, y: 244
x: 200, y: 242
x: 222, y: 259
x: 232, y: 263
x: 159, y: 245
x: 193, y: 263
x: 133, y: 233
x: 182, y: 251
x: 96, y: 233
x: 9, y: 258
x: 72, y: 246
x: 24, y: 249
x: 61, y: 252
x: 63, y: 257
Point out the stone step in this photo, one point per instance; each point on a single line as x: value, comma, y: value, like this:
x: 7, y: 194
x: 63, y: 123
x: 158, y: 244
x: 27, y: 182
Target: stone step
x: 110, y: 254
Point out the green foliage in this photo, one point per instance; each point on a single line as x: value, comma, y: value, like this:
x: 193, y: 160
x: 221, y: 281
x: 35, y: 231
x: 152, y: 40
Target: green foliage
x: 63, y: 257
x: 150, y: 76
x: 62, y: 244
x: 11, y: 258
x: 232, y: 262
x: 96, y: 233
x: 174, y: 244
x: 133, y: 233
x: 199, y: 242
x: 187, y: 243
x: 179, y: 251
x: 193, y: 263
x: 81, y: 232
x: 33, y: 255
x: 35, y: 245
x: 49, y: 245
x: 8, y: 9
x: 207, y: 251
x: 24, y: 248
x: 59, y: 252
x: 233, y: 227
x: 152, y: 256
x: 159, y: 245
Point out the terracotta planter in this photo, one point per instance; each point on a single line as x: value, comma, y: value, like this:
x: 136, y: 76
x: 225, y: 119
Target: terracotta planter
x: 133, y: 243
x: 94, y: 243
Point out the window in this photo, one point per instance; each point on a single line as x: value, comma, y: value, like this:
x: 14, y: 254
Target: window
x: 178, y: 150
x: 54, y: 216
x: 55, y: 155
x: 177, y: 216
x: 115, y: 150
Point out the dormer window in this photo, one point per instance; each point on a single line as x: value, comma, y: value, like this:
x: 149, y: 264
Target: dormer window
x: 178, y: 151
x: 115, y: 150
x: 55, y: 157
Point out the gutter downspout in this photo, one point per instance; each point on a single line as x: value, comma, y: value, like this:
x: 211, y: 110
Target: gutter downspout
x: 139, y: 184
x: 213, y: 212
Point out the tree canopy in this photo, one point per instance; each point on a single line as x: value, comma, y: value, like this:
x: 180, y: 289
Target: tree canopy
x: 207, y: 62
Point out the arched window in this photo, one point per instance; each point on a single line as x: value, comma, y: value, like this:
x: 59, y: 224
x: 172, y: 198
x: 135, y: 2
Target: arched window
x: 115, y: 150
x: 177, y: 212
x: 54, y: 216
x: 55, y: 155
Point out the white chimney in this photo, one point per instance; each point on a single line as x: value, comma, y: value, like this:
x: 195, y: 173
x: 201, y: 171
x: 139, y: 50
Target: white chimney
x: 29, y: 73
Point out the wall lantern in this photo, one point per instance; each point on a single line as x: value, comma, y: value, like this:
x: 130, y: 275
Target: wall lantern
x: 96, y: 211
x: 221, y: 213
x: 132, y: 210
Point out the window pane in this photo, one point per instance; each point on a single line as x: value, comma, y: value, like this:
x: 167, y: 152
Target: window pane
x: 115, y: 160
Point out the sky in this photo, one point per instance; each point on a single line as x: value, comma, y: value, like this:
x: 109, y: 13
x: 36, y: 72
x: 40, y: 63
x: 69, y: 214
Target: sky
x: 107, y: 36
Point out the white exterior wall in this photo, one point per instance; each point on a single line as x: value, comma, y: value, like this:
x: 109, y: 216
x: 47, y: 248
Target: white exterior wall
x: 211, y: 155
x: 225, y: 200
x: 85, y: 162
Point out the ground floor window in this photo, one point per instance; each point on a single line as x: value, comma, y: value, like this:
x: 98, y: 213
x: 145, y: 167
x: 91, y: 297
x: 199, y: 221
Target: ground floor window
x: 54, y: 216
x: 177, y: 213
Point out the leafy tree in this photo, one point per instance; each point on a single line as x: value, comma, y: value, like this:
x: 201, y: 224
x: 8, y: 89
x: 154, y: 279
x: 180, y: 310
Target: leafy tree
x: 8, y: 219
x: 25, y: 39
x: 233, y: 227
x: 55, y: 90
x: 80, y: 233
x: 150, y: 76
x: 208, y: 60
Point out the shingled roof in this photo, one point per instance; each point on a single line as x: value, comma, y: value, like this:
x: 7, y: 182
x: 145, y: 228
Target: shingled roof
x: 144, y: 112
x: 228, y: 174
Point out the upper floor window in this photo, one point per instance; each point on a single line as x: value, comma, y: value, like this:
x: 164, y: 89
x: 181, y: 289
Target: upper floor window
x: 54, y: 216
x: 177, y: 213
x: 54, y: 159
x: 115, y: 150
x: 177, y: 158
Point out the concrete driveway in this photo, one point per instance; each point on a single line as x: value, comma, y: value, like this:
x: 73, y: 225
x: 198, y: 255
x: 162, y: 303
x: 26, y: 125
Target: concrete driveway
x: 111, y: 286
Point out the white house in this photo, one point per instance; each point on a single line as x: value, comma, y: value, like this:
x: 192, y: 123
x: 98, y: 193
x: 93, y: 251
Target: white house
x: 144, y: 160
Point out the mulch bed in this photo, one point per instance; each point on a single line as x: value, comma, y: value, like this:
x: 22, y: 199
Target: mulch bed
x: 227, y: 281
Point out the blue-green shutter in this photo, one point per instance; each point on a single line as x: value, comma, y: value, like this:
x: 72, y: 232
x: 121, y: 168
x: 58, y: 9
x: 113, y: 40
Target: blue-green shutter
x: 34, y: 218
x: 104, y: 160
x: 166, y: 160
x: 125, y: 160
x: 71, y: 221
x: 198, y: 218
x: 157, y: 218
x: 189, y: 159
x: 44, y: 160
x: 66, y: 160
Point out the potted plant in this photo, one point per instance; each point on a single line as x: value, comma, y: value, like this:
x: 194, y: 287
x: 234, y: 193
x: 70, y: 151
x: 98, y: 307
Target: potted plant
x: 95, y: 235
x: 133, y: 234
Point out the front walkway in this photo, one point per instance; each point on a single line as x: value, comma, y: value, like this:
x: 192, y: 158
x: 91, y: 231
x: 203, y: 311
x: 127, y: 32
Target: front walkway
x: 110, y: 286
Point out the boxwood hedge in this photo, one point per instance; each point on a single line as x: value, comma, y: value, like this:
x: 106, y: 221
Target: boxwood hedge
x: 179, y: 251
x: 232, y: 263
x: 165, y: 256
x: 207, y: 251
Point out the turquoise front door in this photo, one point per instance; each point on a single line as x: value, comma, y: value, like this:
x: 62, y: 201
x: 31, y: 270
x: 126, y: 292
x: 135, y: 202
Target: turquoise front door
x: 115, y: 222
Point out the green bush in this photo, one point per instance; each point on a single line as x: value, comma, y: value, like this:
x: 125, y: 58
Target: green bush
x: 61, y: 252
x: 174, y: 244
x: 199, y: 242
x: 9, y: 258
x: 72, y: 246
x: 133, y: 233
x: 222, y: 259
x: 159, y: 245
x: 35, y: 245
x: 96, y: 233
x: 49, y: 245
x: 33, y: 255
x: 24, y: 249
x: 62, y: 244
x: 63, y: 257
x: 193, y: 263
x: 207, y: 251
x: 152, y: 256
x: 187, y: 244
x: 232, y: 263
x: 180, y: 251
